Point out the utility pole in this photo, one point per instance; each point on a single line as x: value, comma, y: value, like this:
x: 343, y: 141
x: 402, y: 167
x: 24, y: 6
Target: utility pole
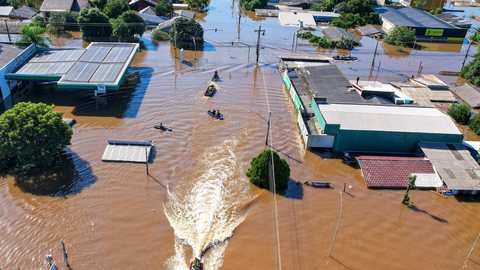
x: 375, y: 53
x: 259, y: 31
x: 420, y: 68
x: 175, y: 39
x: 268, y: 127
x: 338, y: 225
x: 466, y: 54
x: 65, y: 254
x: 8, y: 31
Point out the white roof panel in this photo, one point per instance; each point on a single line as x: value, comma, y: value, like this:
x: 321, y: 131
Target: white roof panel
x: 294, y: 18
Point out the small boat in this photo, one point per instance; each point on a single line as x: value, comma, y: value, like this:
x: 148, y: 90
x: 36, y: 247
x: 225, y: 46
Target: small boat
x: 345, y: 58
x: 317, y: 184
x: 196, y: 264
x: 162, y: 127
x: 215, y: 77
x: 214, y: 114
x: 211, y: 90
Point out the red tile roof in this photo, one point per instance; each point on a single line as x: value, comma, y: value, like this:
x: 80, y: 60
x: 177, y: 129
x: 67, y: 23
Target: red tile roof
x: 392, y: 172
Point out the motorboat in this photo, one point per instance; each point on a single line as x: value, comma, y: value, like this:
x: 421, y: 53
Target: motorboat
x: 345, y: 58
x: 215, y: 114
x: 211, y: 90
x: 317, y: 184
x: 196, y: 264
x: 162, y: 127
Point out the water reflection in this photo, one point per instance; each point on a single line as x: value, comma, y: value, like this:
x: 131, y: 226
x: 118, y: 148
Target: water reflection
x: 66, y: 177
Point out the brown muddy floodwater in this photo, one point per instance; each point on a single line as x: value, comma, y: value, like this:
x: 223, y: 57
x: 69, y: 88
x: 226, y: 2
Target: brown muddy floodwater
x: 197, y: 198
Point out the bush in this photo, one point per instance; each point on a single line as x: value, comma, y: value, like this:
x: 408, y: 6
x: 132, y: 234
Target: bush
x: 186, y: 30
x: 253, y: 4
x: 474, y: 124
x: 39, y: 21
x: 100, y: 4
x: 400, y: 36
x: 160, y: 35
x: 198, y: 4
x: 56, y: 22
x: 460, y: 113
x: 323, y: 42
x: 115, y: 8
x: 120, y: 30
x: 164, y: 8
x: 471, y: 71
x: 94, y: 24
x: 32, y: 34
x: 32, y: 134
x: 258, y: 172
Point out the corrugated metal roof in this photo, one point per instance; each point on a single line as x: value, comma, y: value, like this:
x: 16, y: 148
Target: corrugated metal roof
x: 411, y: 17
x: 56, y: 5
x: 388, y: 118
x: 5, y: 11
x: 392, y: 172
x: 454, y: 164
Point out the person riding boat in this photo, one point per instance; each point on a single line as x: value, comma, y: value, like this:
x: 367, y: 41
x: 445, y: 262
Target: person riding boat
x: 215, y: 76
x: 214, y: 112
x: 218, y: 113
x: 196, y: 264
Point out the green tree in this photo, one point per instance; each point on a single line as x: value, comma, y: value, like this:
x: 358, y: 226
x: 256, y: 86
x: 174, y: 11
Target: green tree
x: 253, y: 4
x: 57, y: 22
x: 115, y: 8
x: 100, y: 4
x: 400, y: 36
x: 135, y: 23
x: 14, y: 3
x: 436, y: 11
x: 471, y: 71
x: 474, y: 124
x: 32, y: 34
x: 164, y: 8
x: 39, y: 21
x: 419, y: 4
x: 187, y: 30
x: 461, y: 113
x: 198, y: 4
x: 121, y: 30
x: 411, y: 185
x: 32, y: 134
x: 259, y: 171
x: 94, y: 24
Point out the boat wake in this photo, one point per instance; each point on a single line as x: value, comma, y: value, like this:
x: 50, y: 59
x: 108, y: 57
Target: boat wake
x: 205, y: 211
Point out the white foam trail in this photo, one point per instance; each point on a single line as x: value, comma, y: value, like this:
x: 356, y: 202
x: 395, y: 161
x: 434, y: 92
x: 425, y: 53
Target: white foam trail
x: 204, y: 212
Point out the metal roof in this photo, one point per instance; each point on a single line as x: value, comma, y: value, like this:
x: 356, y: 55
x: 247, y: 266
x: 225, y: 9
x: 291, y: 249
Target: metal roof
x: 369, y: 30
x: 336, y: 34
x: 5, y: 11
x: 454, y: 164
x: 411, y: 17
x: 329, y: 82
x: 294, y: 18
x: 388, y: 118
x: 468, y: 93
x: 391, y: 171
x: 56, y: 5
x: 8, y: 52
x: 22, y: 13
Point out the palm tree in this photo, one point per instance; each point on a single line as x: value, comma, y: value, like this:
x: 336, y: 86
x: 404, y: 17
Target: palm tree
x: 32, y: 34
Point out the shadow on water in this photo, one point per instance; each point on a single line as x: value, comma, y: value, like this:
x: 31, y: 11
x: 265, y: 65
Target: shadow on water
x: 439, y: 219
x: 294, y: 190
x: 468, y: 198
x: 67, y: 177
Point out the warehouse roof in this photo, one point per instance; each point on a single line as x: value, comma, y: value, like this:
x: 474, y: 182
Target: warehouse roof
x: 328, y: 82
x: 388, y: 118
x: 412, y: 17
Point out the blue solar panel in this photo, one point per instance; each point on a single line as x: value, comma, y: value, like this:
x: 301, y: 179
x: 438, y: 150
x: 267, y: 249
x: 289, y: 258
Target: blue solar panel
x: 80, y: 72
x: 106, y: 73
x: 95, y: 54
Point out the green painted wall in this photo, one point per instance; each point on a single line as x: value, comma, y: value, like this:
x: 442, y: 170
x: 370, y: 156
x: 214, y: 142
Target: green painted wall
x: 382, y: 141
x: 330, y: 129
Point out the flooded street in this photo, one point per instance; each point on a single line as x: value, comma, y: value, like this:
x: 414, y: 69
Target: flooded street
x: 197, y: 199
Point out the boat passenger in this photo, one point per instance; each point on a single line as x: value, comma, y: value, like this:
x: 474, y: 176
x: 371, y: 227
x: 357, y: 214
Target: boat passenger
x: 214, y: 112
x: 218, y: 113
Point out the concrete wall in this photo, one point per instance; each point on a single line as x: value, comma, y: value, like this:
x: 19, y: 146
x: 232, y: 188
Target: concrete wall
x: 384, y: 141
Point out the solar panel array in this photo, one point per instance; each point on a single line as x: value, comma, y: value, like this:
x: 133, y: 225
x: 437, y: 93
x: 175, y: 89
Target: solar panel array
x: 118, y: 54
x: 45, y: 68
x: 80, y: 72
x: 57, y: 56
x: 95, y: 53
x: 106, y: 73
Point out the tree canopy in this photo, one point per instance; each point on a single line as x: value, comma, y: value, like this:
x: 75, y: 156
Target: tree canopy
x: 400, y: 36
x: 164, y: 8
x: 94, y: 24
x: 471, y: 71
x: 474, y: 124
x: 100, y: 4
x: 32, y: 34
x: 461, y: 113
x: 32, y: 134
x: 115, y: 8
x: 198, y: 4
x: 135, y: 23
x: 259, y: 171
x: 253, y: 4
x: 187, y: 30
x: 57, y: 22
x: 120, y: 30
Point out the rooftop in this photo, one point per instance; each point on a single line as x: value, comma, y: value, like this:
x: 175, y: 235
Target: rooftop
x: 412, y: 17
x: 336, y: 34
x: 293, y: 18
x: 369, y: 30
x: 454, y: 164
x: 393, y: 172
x: 100, y: 63
x: 23, y: 13
x: 468, y: 93
x: 8, y: 52
x: 388, y: 118
x: 56, y: 5
x: 5, y: 11
x: 329, y: 82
